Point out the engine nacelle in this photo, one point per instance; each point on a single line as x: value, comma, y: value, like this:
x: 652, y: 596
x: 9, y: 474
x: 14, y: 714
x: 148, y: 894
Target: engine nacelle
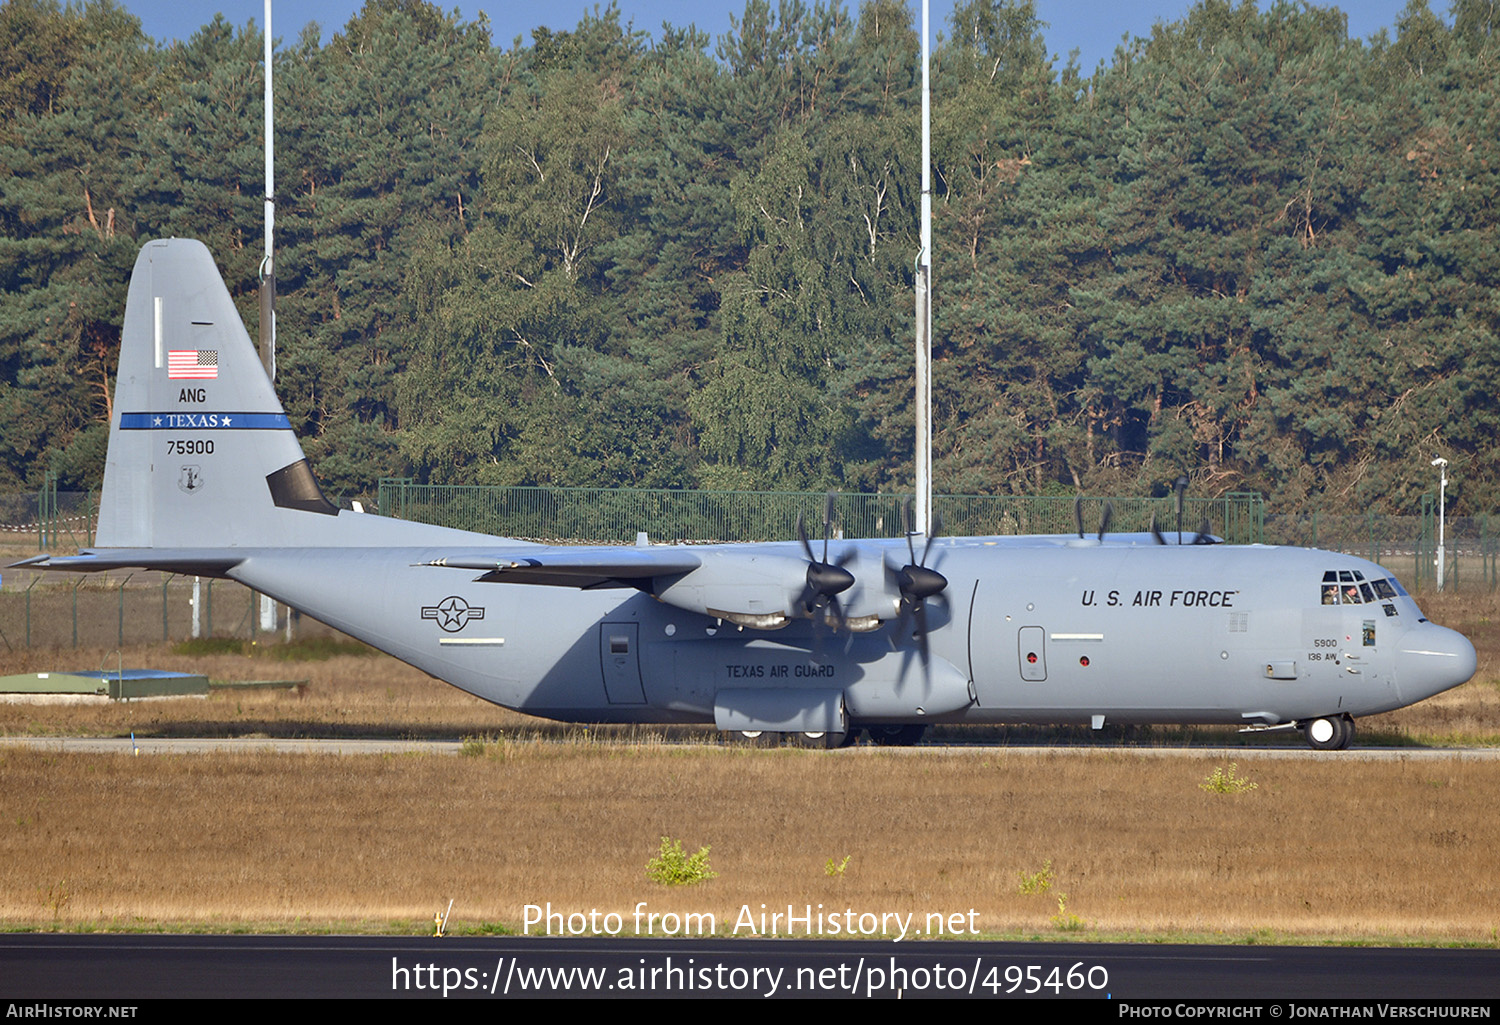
x: 755, y: 591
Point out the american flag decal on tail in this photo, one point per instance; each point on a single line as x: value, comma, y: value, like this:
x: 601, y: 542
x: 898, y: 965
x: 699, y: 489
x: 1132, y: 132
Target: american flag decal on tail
x: 192, y: 363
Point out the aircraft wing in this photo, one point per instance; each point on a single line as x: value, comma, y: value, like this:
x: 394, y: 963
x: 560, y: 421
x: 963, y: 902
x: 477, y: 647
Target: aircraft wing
x: 582, y: 567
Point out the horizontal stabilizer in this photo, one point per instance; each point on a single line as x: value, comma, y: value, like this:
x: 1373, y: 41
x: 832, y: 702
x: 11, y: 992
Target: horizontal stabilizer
x: 203, y: 562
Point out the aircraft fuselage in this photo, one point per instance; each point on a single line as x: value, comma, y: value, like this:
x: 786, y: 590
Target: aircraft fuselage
x: 1060, y: 634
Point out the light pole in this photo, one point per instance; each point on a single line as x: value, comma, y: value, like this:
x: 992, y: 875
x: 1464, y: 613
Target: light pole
x: 1442, y: 465
x: 922, y: 470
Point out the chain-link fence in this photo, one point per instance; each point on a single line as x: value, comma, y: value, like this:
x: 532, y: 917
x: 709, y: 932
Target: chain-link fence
x: 56, y: 519
x: 65, y: 610
x: 1406, y: 545
x: 616, y: 516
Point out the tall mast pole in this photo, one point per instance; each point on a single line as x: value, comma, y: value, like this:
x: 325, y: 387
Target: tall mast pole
x: 268, y: 294
x: 924, y: 308
x: 267, y: 270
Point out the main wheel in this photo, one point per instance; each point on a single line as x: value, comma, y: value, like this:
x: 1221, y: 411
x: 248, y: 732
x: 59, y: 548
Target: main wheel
x: 1329, y: 733
x: 760, y: 738
x: 827, y: 741
x: 1348, y: 734
x: 897, y: 736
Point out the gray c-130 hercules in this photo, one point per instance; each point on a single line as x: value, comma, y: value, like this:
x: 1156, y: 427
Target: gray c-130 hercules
x: 205, y: 476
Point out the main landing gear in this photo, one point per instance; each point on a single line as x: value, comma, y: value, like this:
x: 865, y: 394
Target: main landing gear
x: 897, y: 736
x: 828, y: 741
x: 1329, y: 733
x: 886, y: 736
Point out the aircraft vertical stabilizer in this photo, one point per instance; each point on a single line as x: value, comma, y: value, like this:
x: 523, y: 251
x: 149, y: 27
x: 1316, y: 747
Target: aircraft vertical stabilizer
x: 200, y: 451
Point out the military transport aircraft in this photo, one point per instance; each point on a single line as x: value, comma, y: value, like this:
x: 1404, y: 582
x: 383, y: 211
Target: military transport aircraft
x: 205, y: 476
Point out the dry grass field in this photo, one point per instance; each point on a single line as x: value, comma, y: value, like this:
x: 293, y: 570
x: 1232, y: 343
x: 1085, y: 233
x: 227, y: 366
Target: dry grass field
x: 1319, y: 849
x: 1322, y: 848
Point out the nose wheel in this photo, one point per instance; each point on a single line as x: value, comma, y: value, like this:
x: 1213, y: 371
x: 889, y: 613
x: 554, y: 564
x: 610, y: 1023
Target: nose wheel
x: 1329, y: 733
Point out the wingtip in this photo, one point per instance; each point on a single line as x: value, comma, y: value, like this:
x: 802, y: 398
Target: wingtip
x: 35, y: 560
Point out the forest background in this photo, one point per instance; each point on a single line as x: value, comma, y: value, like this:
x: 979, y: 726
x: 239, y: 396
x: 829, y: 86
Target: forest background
x: 1249, y: 248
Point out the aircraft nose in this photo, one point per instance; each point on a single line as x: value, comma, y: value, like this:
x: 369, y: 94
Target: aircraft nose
x: 1431, y: 659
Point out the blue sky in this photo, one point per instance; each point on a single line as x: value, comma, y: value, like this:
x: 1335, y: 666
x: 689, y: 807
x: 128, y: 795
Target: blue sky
x: 1093, y: 27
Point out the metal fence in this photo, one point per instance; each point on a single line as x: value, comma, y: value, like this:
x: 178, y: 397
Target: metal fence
x: 57, y: 610
x: 57, y: 519
x: 1406, y: 545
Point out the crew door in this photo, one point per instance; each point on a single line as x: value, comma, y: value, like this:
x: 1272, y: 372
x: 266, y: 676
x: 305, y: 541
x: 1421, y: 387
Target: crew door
x: 619, y: 654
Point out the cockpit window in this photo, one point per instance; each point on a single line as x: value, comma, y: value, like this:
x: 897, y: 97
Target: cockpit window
x: 1349, y: 587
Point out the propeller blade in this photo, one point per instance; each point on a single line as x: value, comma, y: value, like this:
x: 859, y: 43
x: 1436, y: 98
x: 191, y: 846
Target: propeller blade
x: 1204, y: 535
x: 1179, y: 488
x: 937, y: 529
x: 802, y: 536
x: 1155, y: 533
x: 901, y: 625
x: 841, y: 622
x: 827, y: 523
x: 1078, y: 515
x: 921, y: 619
x: 1105, y: 517
x: 906, y: 527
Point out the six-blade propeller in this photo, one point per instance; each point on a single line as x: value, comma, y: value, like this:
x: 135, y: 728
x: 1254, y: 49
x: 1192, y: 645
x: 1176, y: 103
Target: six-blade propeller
x: 825, y: 580
x: 915, y: 582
